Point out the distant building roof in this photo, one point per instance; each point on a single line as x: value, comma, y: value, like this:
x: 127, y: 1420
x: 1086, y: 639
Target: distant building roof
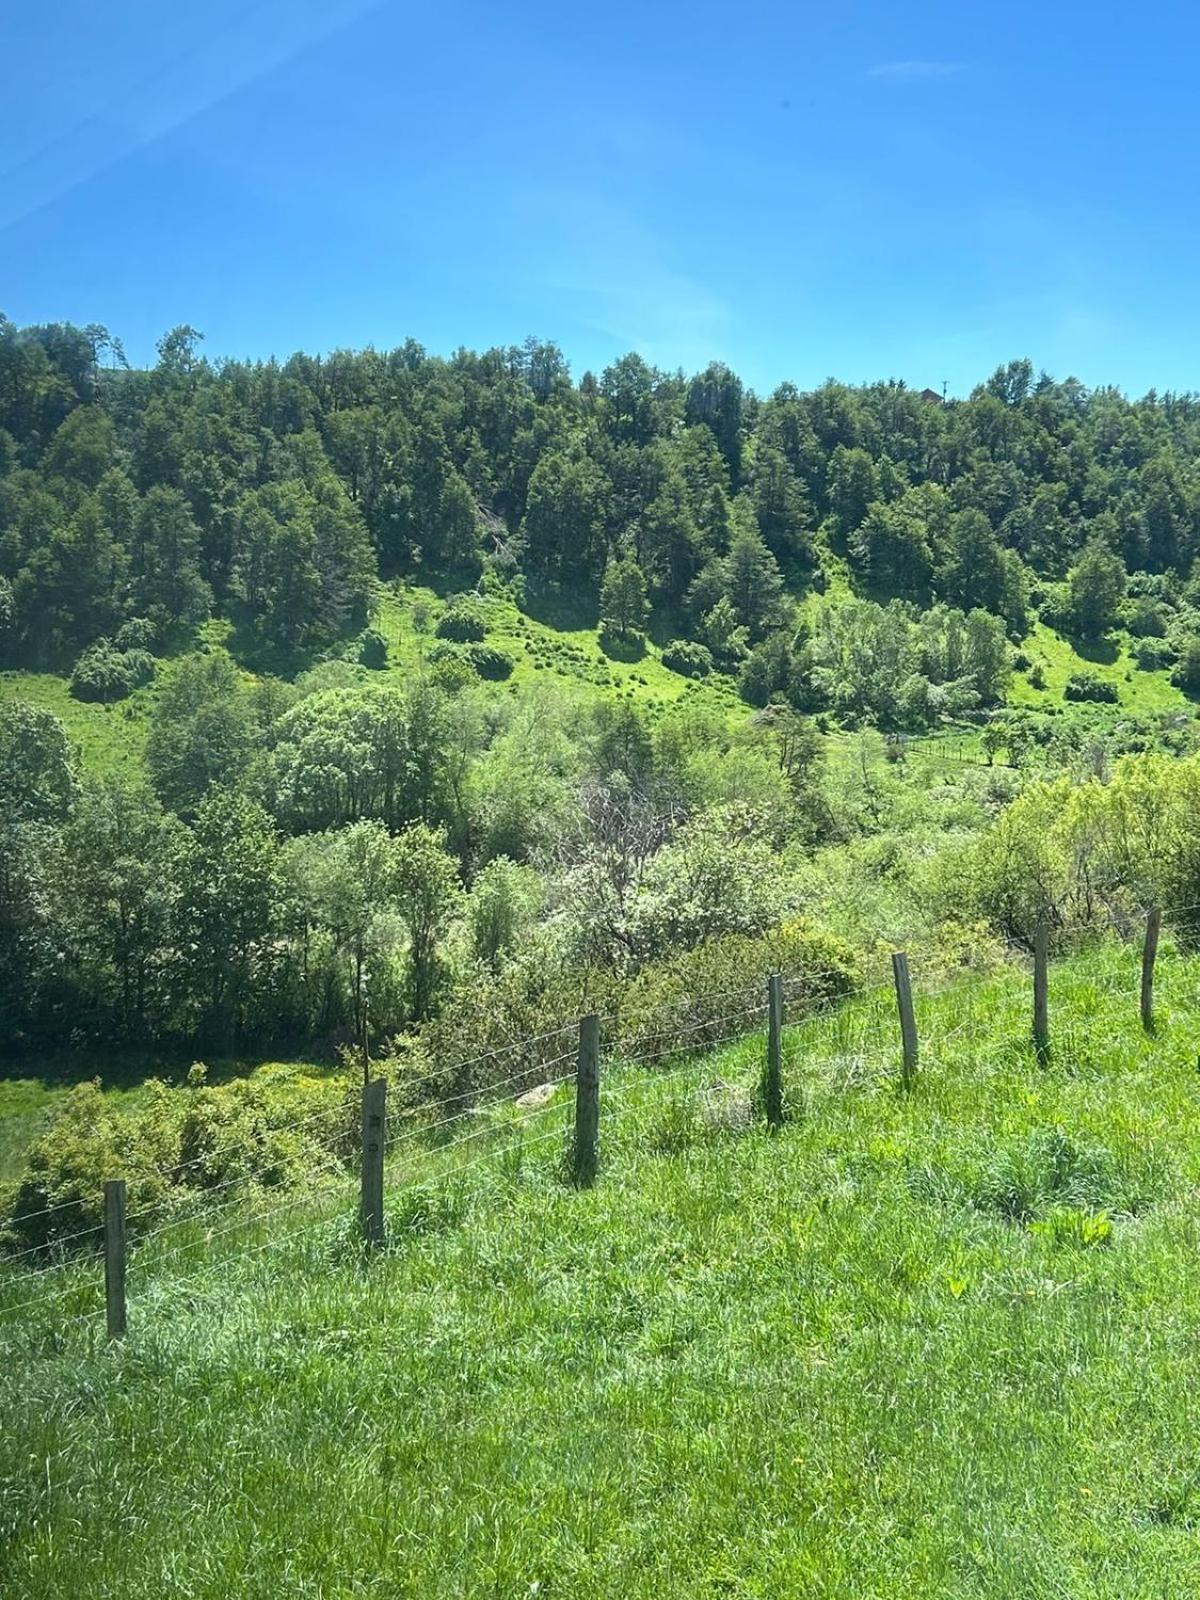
x: 931, y: 395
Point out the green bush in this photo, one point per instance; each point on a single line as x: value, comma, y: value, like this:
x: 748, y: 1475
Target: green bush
x: 105, y: 673
x: 463, y: 623
x: 373, y: 650
x: 1152, y: 654
x: 1087, y: 686
x: 490, y: 662
x: 689, y: 998
x: 271, y: 1131
x: 139, y: 633
x: 687, y: 657
x: 1186, y: 675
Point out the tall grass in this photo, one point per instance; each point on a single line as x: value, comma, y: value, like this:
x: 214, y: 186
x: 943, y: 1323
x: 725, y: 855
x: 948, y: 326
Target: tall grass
x: 940, y: 1343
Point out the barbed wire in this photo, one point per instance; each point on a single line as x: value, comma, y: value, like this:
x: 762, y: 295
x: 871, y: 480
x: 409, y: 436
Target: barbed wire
x: 632, y: 1053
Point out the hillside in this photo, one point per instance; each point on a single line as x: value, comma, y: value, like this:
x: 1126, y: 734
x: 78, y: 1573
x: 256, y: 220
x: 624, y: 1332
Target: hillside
x: 936, y: 1342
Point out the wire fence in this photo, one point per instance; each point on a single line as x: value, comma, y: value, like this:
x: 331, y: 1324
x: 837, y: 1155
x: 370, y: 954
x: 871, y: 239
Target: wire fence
x: 410, y: 1152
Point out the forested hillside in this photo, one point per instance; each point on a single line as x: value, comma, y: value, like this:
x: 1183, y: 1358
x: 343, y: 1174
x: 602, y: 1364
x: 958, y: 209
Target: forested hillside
x: 350, y: 692
x: 133, y: 505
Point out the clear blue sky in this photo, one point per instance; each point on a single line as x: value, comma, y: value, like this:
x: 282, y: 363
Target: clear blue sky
x: 865, y: 189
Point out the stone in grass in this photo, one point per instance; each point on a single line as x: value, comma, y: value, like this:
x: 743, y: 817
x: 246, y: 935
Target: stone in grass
x: 533, y: 1098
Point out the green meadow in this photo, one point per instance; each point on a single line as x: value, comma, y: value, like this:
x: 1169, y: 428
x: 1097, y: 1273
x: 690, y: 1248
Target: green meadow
x: 934, y: 1344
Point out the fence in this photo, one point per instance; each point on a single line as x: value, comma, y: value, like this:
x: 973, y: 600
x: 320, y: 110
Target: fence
x: 383, y: 1136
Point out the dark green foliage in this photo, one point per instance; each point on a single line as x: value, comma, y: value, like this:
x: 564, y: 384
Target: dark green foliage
x: 1152, y: 654
x: 373, y: 650
x: 1096, y: 588
x: 202, y: 731
x: 105, y: 672
x: 462, y: 622
x: 489, y: 661
x: 1088, y: 686
x: 37, y: 768
x: 688, y: 658
x: 1187, y: 670
x: 137, y: 633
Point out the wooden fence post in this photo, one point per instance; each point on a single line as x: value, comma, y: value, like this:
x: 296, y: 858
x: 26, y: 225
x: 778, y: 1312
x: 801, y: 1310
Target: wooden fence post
x: 374, y: 1107
x: 585, y: 1154
x: 1041, y: 990
x: 114, y: 1257
x: 908, y: 1020
x: 1149, y: 953
x: 772, y: 1082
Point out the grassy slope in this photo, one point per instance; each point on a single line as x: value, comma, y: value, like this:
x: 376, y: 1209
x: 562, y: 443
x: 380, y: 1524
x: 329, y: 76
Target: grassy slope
x: 1138, y: 690
x: 825, y: 1364
x: 113, y: 737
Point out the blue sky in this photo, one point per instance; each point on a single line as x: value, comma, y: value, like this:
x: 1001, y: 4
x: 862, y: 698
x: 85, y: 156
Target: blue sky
x: 865, y: 190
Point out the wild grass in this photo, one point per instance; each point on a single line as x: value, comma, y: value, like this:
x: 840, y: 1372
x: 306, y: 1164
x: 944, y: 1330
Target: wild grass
x: 1059, y: 659
x: 931, y: 1344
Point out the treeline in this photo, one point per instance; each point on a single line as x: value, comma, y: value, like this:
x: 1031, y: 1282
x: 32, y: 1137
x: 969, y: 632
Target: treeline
x: 277, y: 493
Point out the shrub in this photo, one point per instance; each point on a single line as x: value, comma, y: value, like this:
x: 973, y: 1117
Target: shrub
x: 373, y: 650
x: 1152, y: 654
x: 105, y: 673
x: 139, y: 633
x: 688, y: 998
x: 688, y: 657
x: 1186, y: 675
x: 489, y: 661
x: 277, y: 1130
x: 1087, y: 686
x: 1146, y: 618
x: 463, y: 623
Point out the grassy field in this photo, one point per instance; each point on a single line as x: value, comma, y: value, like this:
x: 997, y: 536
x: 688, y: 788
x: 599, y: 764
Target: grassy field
x: 941, y: 1344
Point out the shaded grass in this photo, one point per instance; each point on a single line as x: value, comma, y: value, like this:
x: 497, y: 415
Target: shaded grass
x: 1112, y: 661
x: 818, y: 1363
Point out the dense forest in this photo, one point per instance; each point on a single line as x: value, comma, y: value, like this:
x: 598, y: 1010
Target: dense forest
x: 133, y: 504
x: 309, y: 855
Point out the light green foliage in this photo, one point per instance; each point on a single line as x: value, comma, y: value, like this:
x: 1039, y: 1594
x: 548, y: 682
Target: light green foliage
x: 201, y: 734
x: 428, y: 893
x: 1096, y: 588
x: 37, y: 776
x: 623, y: 604
x: 501, y: 908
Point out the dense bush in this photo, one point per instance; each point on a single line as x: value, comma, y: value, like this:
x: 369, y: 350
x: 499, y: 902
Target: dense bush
x: 490, y: 661
x: 138, y: 633
x: 1151, y: 653
x: 687, y: 657
x: 463, y: 623
x: 1186, y: 675
x: 274, y: 1130
x: 105, y: 673
x: 1088, y: 686
x: 373, y: 650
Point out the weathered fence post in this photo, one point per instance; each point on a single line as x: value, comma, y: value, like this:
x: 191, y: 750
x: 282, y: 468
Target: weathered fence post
x: 1149, y: 953
x: 374, y: 1106
x: 1041, y: 990
x: 114, y: 1257
x: 908, y: 1020
x: 585, y: 1154
x: 772, y: 1081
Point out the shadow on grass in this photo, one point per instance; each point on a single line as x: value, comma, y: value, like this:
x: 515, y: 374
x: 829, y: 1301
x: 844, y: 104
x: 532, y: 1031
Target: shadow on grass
x: 130, y: 1069
x: 1102, y: 651
x: 567, y: 613
x: 627, y: 647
